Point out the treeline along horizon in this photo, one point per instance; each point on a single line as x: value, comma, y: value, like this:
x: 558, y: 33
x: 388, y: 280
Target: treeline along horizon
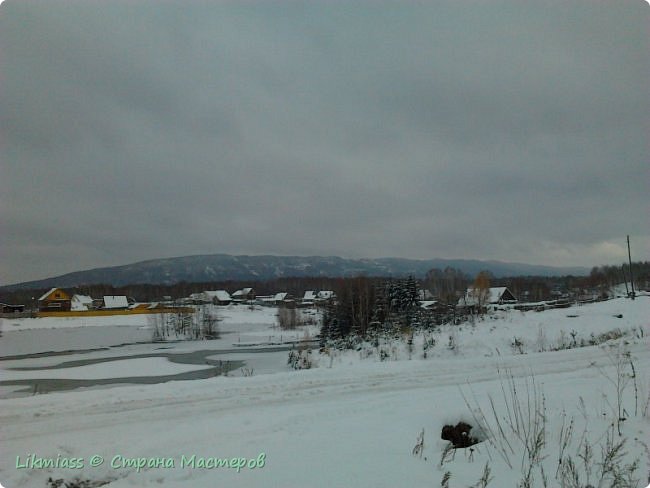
x: 436, y: 281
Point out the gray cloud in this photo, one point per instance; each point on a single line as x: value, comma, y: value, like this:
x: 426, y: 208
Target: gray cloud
x: 134, y: 130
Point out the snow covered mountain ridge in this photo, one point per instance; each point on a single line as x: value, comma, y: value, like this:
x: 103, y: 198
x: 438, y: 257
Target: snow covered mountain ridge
x: 221, y: 267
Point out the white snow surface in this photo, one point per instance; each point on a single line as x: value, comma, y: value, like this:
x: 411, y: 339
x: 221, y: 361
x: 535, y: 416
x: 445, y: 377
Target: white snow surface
x: 123, y: 368
x: 349, y: 422
x: 9, y: 325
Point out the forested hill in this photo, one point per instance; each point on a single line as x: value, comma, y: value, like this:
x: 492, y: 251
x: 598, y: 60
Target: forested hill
x: 221, y: 267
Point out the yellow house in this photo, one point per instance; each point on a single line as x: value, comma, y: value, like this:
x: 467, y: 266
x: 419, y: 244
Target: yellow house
x: 55, y: 300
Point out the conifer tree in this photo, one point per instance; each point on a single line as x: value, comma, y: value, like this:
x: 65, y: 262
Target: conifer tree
x: 324, y: 332
x: 335, y: 331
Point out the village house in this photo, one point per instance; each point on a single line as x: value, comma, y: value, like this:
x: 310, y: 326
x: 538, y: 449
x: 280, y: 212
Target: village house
x: 494, y: 296
x: 325, y: 295
x: 115, y: 302
x: 243, y: 295
x: 276, y: 299
x: 80, y: 303
x: 265, y: 300
x: 217, y: 297
x: 284, y: 299
x: 55, y: 300
x: 197, y: 299
x: 308, y: 298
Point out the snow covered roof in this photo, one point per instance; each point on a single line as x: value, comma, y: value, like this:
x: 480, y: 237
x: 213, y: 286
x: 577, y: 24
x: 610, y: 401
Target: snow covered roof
x: 242, y: 292
x: 80, y: 302
x: 495, y: 295
x: 280, y: 296
x: 325, y: 294
x: 47, y: 294
x: 115, y: 301
x: 309, y: 295
x: 85, y: 299
x: 221, y: 295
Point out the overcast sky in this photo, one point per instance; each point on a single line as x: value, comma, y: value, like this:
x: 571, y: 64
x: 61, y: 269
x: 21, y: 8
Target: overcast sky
x: 511, y: 130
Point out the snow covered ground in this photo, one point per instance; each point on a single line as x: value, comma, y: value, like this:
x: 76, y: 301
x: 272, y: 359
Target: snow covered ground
x: 352, y: 420
x: 155, y: 366
x: 94, y: 348
x: 239, y: 326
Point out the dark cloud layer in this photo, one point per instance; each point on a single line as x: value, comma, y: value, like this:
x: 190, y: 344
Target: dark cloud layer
x: 490, y: 130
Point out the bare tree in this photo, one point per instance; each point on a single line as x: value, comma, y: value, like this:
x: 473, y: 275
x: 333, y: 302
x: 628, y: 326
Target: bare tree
x: 288, y: 318
x: 481, y: 290
x: 207, y: 320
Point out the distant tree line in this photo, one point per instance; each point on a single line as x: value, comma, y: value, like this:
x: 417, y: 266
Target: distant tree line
x: 601, y: 279
x: 369, y: 307
x: 608, y: 276
x: 450, y: 284
x: 447, y: 285
x: 296, y: 286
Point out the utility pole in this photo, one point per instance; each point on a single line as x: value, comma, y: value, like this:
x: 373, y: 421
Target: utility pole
x: 629, y: 256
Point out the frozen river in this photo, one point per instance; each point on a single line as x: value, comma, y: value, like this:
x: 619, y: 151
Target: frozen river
x: 41, y: 360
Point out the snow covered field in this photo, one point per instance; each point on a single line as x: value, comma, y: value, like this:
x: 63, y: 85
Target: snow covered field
x: 350, y: 421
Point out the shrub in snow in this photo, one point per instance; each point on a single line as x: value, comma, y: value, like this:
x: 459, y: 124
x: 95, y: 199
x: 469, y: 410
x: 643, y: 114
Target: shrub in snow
x: 517, y: 345
x: 383, y: 354
x: 300, y: 359
x: 289, y: 318
x: 419, y: 445
x: 202, y: 323
x: 452, y: 345
x: 607, y: 468
x: 520, y: 428
x: 542, y: 343
x: 76, y: 483
x: 444, y: 483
